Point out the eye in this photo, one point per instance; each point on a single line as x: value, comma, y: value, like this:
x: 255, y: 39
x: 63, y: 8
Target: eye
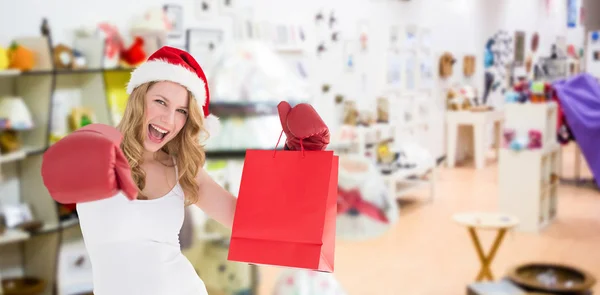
x: 182, y: 111
x: 160, y: 101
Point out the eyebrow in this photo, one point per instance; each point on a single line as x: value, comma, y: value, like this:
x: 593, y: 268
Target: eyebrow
x: 163, y: 97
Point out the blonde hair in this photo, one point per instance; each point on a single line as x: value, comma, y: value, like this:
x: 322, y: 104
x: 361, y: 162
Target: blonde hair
x: 185, y: 147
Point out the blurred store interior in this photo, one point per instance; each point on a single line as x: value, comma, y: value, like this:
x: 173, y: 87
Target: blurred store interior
x: 468, y: 126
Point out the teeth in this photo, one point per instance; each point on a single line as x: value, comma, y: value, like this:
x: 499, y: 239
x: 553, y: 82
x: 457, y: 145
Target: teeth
x: 159, y: 129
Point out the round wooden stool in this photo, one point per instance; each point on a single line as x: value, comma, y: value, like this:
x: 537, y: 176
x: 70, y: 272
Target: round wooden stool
x: 486, y: 221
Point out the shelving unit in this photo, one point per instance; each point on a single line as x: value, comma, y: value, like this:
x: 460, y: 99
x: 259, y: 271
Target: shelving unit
x: 409, y: 123
x: 528, y: 179
x: 39, y: 250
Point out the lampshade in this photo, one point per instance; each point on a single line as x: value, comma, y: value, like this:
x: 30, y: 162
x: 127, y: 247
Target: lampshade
x: 14, y: 114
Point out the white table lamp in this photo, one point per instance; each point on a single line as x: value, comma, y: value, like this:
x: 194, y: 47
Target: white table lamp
x: 15, y: 114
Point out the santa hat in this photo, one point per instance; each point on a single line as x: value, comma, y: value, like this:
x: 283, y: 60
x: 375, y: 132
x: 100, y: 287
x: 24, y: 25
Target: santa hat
x: 175, y: 65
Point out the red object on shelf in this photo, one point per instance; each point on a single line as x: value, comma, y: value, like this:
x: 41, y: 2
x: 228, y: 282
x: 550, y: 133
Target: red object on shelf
x: 136, y: 54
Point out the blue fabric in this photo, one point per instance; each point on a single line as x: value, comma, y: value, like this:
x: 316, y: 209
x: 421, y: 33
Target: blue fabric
x: 579, y: 97
x: 488, y: 58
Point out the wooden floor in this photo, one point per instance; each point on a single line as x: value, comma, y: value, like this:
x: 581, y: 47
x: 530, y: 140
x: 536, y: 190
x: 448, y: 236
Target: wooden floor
x: 428, y: 254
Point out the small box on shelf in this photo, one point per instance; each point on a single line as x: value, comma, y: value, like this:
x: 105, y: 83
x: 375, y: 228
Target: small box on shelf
x: 531, y: 121
x: 91, y: 50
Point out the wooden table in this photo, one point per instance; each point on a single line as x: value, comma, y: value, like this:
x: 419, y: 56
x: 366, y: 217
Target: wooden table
x: 479, y: 121
x: 501, y: 223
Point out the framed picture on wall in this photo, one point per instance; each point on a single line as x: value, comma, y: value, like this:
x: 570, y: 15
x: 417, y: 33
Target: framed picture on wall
x: 394, y: 38
x: 425, y: 39
x: 519, y: 58
x: 363, y: 29
x: 411, y: 33
x: 394, y: 70
x: 411, y: 68
x: 203, y: 44
x: 227, y: 7
x: 174, y: 14
x: 204, y: 9
x: 426, y: 72
x: 281, y: 35
x: 349, y: 55
x: 244, y: 27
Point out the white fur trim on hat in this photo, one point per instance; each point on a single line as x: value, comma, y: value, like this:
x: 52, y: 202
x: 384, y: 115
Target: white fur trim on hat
x: 160, y: 70
x: 213, y: 125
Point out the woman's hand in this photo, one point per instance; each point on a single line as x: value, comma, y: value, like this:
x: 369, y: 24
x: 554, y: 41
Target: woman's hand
x: 303, y: 123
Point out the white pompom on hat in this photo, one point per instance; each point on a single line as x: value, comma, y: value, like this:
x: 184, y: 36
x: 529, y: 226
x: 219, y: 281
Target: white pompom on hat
x: 175, y: 65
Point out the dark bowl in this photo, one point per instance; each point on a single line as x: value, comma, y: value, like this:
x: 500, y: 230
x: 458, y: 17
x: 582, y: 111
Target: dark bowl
x: 23, y: 286
x: 552, y: 277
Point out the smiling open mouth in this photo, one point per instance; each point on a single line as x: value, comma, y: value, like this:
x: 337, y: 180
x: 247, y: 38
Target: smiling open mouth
x: 156, y: 134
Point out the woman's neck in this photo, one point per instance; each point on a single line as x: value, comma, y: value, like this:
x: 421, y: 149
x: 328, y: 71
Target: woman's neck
x: 149, y: 156
x: 159, y: 156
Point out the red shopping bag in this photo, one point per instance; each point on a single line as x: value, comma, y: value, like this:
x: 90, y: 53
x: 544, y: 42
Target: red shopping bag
x: 286, y: 210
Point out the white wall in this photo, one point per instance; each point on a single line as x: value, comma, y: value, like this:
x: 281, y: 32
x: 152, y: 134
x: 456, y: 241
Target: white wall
x: 458, y: 26
x: 455, y: 24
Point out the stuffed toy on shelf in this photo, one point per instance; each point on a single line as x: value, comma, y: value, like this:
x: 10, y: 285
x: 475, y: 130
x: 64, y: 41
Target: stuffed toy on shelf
x: 366, y: 118
x: 517, y: 142
x: 113, y: 44
x: 134, y: 55
x: 461, y: 99
x: 4, y: 60
x: 153, y: 26
x: 538, y: 92
x: 9, y: 142
x: 389, y: 160
x: 20, y: 57
x: 80, y: 117
x: 68, y: 58
x: 383, y: 108
x: 14, y: 117
x: 351, y: 114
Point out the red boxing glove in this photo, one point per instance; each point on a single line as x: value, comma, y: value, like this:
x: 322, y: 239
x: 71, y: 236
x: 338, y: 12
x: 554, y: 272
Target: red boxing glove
x: 88, y: 165
x: 302, y: 122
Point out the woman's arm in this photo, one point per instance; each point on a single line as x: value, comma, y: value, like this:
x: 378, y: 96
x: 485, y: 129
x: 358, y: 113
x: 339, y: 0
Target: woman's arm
x: 301, y: 122
x: 214, y: 200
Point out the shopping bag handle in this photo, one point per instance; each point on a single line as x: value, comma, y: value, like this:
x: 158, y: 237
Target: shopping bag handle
x: 278, y: 140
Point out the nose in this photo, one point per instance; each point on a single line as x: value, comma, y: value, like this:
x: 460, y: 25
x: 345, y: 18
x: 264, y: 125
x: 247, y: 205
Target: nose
x: 168, y: 117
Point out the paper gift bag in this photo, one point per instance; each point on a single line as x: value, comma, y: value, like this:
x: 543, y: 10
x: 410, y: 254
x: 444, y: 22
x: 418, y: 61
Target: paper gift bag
x: 286, y: 210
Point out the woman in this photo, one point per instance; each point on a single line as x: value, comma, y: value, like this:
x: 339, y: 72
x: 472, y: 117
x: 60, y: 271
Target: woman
x: 156, y: 170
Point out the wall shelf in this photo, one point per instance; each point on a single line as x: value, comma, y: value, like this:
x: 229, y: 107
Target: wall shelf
x: 38, y: 88
x: 15, y: 73
x: 13, y: 236
x: 13, y: 156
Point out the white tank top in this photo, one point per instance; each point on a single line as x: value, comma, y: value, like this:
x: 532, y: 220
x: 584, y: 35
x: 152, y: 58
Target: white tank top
x: 134, y: 246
